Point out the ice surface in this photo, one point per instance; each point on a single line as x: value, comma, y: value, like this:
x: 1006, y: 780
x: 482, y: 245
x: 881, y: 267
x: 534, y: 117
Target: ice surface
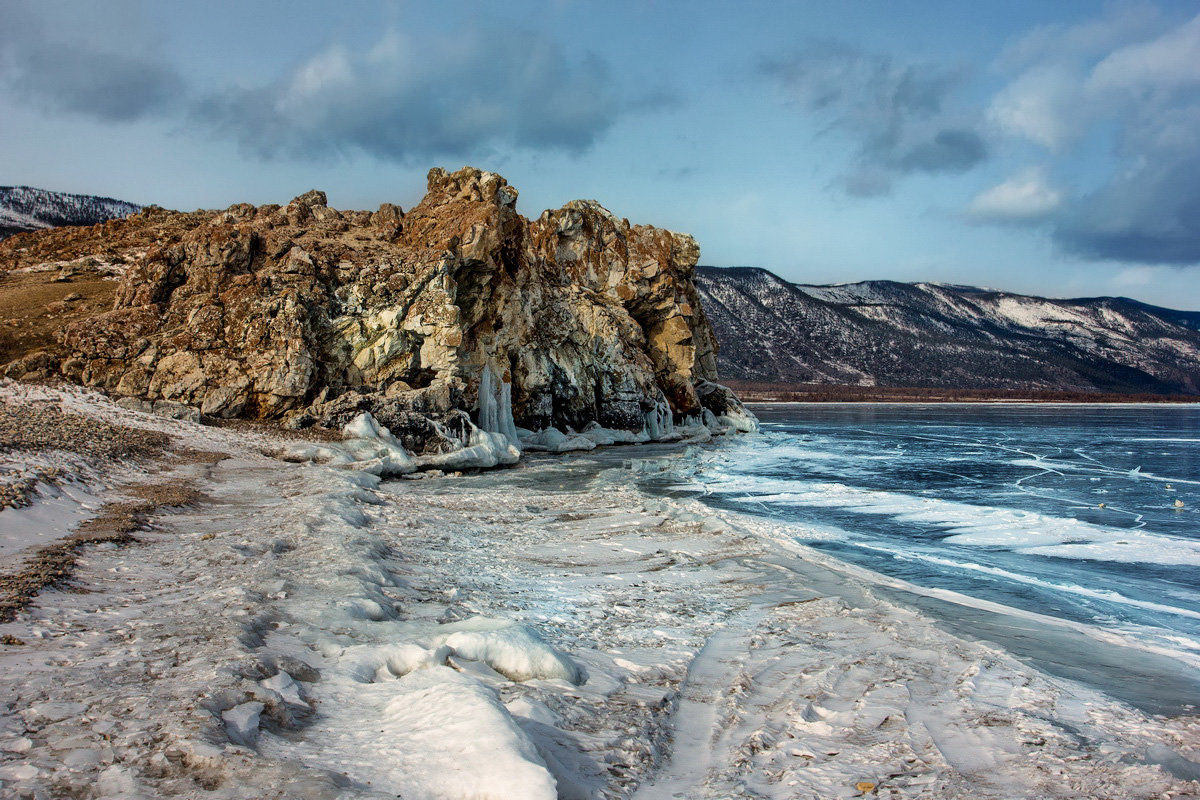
x: 983, y: 526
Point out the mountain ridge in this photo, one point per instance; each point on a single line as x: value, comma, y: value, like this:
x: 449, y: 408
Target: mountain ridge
x: 936, y: 335
x: 27, y: 208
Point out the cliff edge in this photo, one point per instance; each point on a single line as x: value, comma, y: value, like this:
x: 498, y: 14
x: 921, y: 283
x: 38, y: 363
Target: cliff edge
x: 309, y: 315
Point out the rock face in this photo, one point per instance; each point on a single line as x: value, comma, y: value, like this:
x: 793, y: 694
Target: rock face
x: 312, y: 315
x: 883, y: 333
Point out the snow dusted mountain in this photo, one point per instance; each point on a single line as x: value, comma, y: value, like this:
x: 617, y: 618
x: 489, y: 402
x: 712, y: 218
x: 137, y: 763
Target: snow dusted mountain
x: 884, y: 333
x: 23, y: 208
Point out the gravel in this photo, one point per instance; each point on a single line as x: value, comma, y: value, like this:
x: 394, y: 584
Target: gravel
x: 37, y: 427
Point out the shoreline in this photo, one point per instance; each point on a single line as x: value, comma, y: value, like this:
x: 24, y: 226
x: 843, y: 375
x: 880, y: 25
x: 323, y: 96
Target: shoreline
x: 752, y: 392
x: 284, y: 634
x: 1050, y: 403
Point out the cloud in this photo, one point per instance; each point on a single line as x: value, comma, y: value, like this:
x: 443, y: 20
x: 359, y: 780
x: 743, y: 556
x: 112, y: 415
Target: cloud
x: 1149, y: 215
x: 470, y: 93
x: 1134, y: 88
x: 409, y: 99
x: 949, y: 150
x: 1171, y: 61
x: 895, y: 112
x: 54, y: 69
x: 1138, y: 276
x: 1042, y: 105
x: 1025, y: 197
x: 1064, y: 43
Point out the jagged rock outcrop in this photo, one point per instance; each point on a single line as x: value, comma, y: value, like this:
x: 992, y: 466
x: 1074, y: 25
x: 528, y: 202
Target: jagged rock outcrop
x: 313, y: 315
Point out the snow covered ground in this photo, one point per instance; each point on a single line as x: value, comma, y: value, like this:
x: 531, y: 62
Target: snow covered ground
x: 546, y: 630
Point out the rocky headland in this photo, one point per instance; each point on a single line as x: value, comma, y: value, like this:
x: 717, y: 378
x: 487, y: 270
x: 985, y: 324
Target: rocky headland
x: 457, y: 315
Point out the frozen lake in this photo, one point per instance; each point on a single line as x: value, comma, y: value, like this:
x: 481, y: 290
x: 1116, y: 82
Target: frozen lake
x: 1063, y: 511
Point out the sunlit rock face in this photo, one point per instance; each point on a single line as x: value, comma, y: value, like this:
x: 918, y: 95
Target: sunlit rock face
x: 312, y: 315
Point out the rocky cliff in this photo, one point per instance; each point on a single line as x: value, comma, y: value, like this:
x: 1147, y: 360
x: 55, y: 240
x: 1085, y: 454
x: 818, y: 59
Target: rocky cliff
x: 884, y: 333
x: 307, y: 314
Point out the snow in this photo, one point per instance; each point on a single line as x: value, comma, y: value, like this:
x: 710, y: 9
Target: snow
x: 313, y: 631
x: 32, y: 208
x: 515, y: 651
x: 453, y: 738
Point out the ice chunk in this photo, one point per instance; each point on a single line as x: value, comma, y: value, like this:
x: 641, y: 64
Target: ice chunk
x: 369, y: 446
x: 659, y: 422
x: 741, y: 421
x: 287, y: 688
x: 485, y: 449
x: 609, y: 436
x: 555, y: 441
x: 241, y: 722
x: 514, y: 650
x: 368, y: 441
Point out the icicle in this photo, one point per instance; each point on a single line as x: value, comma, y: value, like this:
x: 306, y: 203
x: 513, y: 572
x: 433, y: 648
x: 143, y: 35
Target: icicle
x: 495, y: 406
x: 658, y: 419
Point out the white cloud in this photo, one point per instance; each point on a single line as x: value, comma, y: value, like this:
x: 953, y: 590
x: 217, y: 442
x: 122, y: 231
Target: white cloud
x: 1136, y: 277
x: 1133, y: 94
x: 1043, y: 105
x: 1067, y: 44
x: 1168, y: 62
x: 1024, y: 197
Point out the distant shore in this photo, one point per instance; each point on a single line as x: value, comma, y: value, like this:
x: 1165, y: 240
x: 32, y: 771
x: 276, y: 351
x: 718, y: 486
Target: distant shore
x: 755, y: 392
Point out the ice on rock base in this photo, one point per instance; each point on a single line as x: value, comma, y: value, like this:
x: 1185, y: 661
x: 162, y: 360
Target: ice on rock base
x: 659, y: 422
x: 372, y: 448
x: 368, y: 446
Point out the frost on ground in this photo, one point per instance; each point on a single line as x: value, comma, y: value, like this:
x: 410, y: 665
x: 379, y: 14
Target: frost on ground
x: 545, y: 631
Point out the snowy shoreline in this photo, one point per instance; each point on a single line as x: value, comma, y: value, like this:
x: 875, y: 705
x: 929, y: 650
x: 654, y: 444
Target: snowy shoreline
x: 545, y: 630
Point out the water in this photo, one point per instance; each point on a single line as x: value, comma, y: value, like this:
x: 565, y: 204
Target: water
x: 1066, y: 511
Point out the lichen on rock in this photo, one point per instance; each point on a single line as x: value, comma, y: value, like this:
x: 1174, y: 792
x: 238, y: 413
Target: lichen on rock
x: 310, y: 315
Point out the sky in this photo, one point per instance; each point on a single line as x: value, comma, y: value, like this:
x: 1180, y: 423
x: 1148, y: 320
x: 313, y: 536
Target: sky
x: 1049, y: 148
